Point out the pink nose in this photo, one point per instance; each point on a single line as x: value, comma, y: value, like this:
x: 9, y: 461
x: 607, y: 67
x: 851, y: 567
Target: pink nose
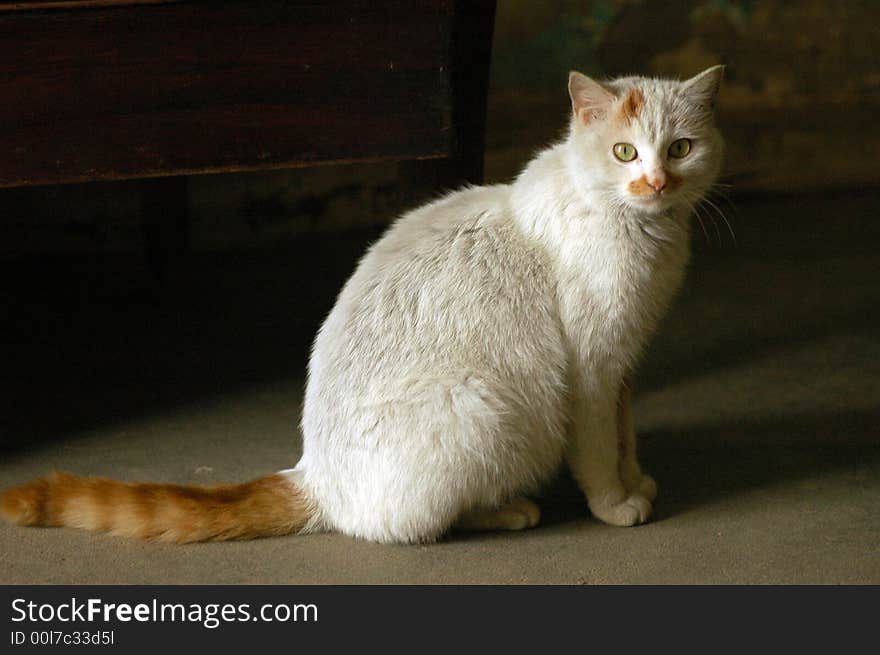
x: 658, y: 184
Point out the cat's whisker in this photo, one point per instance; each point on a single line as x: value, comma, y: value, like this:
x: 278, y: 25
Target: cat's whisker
x: 696, y: 214
x: 711, y: 219
x: 725, y: 196
x: 715, y: 225
x: 695, y: 201
x: 722, y: 192
x: 709, y: 202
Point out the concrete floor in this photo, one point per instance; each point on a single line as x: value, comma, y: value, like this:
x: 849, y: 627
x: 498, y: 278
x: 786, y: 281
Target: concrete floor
x: 757, y: 405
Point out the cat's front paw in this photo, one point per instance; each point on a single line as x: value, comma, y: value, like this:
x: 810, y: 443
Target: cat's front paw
x: 632, y: 510
x: 647, y: 487
x: 637, y: 482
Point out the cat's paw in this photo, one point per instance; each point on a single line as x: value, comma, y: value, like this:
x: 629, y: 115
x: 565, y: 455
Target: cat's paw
x: 632, y: 510
x: 647, y: 487
x: 529, y: 513
x: 640, y: 483
x: 518, y: 514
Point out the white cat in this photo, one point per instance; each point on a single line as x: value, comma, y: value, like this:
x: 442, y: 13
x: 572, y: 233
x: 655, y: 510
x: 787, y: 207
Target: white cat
x: 485, y: 339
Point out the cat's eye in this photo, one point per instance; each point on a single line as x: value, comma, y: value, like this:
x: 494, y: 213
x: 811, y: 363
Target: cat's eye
x: 624, y: 151
x: 680, y: 148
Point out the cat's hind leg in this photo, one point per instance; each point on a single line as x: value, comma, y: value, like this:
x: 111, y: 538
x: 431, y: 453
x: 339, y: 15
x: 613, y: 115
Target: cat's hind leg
x: 518, y: 514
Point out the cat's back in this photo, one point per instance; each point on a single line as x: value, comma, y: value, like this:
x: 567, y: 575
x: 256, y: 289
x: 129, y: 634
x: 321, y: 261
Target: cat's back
x: 423, y: 236
x: 453, y: 285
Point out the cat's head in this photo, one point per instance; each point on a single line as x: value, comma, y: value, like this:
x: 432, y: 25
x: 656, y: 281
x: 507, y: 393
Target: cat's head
x: 648, y: 144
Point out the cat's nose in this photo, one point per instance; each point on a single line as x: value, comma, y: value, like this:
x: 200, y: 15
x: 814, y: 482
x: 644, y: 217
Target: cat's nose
x: 657, y: 183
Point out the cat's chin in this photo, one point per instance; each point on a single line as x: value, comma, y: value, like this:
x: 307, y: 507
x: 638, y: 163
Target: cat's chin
x: 654, y: 204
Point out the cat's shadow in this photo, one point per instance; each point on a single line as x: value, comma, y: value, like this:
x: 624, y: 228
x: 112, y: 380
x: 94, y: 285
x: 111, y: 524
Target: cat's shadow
x: 711, y: 465
x: 673, y: 360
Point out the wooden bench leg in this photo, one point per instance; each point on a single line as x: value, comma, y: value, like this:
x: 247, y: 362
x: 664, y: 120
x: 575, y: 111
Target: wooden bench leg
x: 471, y: 57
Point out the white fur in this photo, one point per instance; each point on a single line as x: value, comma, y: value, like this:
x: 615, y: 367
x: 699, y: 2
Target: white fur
x: 485, y: 338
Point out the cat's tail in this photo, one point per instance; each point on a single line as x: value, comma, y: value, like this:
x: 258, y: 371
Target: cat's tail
x: 271, y: 505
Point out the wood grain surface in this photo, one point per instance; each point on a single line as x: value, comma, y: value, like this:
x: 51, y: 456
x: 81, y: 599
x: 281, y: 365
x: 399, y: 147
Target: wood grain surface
x: 186, y: 87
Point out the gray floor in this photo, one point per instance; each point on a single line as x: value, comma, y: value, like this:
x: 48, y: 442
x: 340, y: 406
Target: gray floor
x: 757, y: 405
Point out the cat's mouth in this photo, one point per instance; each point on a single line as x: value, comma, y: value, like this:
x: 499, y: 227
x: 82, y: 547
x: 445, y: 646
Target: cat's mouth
x: 654, y: 193
x: 652, y: 202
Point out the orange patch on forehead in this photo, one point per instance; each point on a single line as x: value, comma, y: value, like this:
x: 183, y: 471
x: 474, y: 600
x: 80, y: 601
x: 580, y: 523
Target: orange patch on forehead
x: 632, y: 106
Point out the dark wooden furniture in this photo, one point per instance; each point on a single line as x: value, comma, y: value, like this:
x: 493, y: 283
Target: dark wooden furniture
x: 115, y: 89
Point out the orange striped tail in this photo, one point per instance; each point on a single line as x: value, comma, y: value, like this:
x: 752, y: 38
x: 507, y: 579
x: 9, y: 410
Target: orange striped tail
x: 267, y: 506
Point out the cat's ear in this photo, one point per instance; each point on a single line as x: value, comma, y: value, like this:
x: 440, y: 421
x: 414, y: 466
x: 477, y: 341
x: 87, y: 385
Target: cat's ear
x: 703, y: 87
x: 590, y: 101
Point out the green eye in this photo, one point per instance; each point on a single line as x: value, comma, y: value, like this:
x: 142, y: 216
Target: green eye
x: 625, y: 151
x: 680, y: 148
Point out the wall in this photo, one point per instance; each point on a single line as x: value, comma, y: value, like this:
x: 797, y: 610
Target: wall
x: 802, y: 83
x: 798, y: 110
